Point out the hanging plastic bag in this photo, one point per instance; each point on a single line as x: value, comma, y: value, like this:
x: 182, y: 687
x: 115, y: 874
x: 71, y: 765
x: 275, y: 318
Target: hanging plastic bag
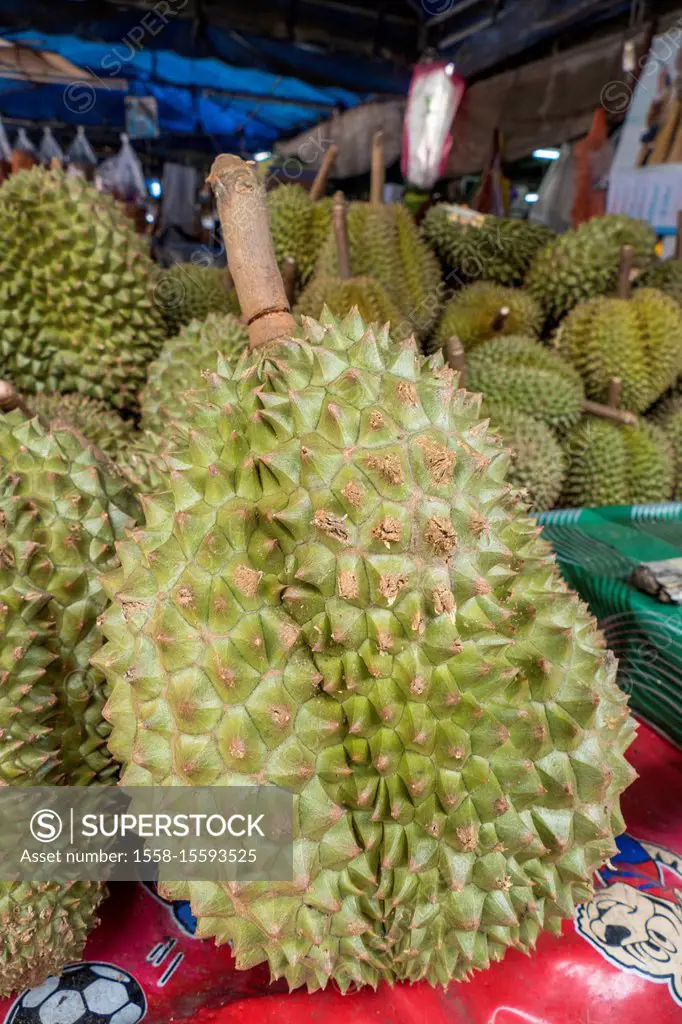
x: 23, y: 152
x: 122, y: 174
x: 49, y: 148
x: 435, y: 94
x: 80, y: 156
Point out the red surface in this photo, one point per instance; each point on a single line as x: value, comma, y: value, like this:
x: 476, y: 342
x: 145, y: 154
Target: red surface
x: 567, y: 981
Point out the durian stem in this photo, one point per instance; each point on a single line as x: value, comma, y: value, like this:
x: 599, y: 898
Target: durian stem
x: 456, y: 357
x: 613, y: 396
x: 289, y: 278
x: 627, y: 258
x: 500, y: 318
x: 341, y: 235
x: 243, y: 213
x: 378, y: 170
x: 11, y: 399
x: 605, y: 412
x: 319, y: 186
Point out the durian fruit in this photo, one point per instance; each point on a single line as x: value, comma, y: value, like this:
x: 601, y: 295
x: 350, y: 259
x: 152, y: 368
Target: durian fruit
x: 668, y: 416
x: 483, y: 310
x: 584, y: 264
x: 523, y: 374
x: 538, y: 463
x: 299, y: 226
x: 77, y: 309
x: 95, y: 419
x: 189, y: 291
x: 665, y: 275
x: 498, y: 249
x: 180, y: 362
x: 44, y: 927
x: 143, y: 462
x: 637, y: 340
x: 343, y: 292
x: 361, y: 611
x: 61, y: 512
x: 610, y: 464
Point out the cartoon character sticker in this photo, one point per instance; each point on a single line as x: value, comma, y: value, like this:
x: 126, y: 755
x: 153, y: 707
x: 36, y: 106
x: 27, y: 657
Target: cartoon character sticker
x: 635, y: 918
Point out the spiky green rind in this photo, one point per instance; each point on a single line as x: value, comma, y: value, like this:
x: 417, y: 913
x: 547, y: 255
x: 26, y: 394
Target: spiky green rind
x: 584, y: 263
x: 298, y: 227
x: 499, y: 249
x: 341, y: 594
x: 666, y: 276
x: 371, y: 299
x: 143, y: 462
x: 190, y: 291
x: 474, y: 315
x: 385, y: 245
x: 538, y: 463
x: 524, y: 375
x: 613, y: 465
x: 44, y: 926
x: 180, y: 362
x: 62, y: 513
x: 77, y: 309
x: 638, y: 341
x: 420, y: 271
x: 96, y: 420
x: 668, y: 416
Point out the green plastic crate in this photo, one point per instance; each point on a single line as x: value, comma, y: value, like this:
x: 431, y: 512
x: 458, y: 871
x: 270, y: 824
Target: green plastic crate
x: 597, y: 550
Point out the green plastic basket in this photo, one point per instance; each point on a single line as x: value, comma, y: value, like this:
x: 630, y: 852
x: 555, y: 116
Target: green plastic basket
x: 597, y: 549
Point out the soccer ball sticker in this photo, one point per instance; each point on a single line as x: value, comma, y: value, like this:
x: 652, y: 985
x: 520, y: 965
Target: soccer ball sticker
x: 85, y: 994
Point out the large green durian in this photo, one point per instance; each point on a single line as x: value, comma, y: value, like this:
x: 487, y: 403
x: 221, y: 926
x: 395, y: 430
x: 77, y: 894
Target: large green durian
x: 180, y: 362
x: 638, y: 340
x: 61, y: 512
x: 584, y: 264
x: 497, y: 249
x: 483, y: 310
x: 77, y: 304
x: 190, y: 291
x: 95, y: 419
x: 538, y: 463
x: 615, y: 465
x: 524, y: 375
x: 360, y: 610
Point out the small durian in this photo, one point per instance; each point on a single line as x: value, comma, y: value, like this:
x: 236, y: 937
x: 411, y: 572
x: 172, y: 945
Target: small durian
x: 191, y: 291
x: 95, y: 419
x: 538, y: 463
x: 522, y: 374
x: 637, y: 340
x: 483, y: 311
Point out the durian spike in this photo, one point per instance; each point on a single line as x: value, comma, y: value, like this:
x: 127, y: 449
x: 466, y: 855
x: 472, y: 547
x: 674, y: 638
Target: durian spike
x: 320, y: 184
x: 378, y: 170
x: 341, y: 234
x: 243, y: 212
x: 500, y: 319
x: 627, y: 257
x: 289, y: 278
x: 456, y: 358
x: 606, y: 412
x: 11, y: 399
x: 613, y: 397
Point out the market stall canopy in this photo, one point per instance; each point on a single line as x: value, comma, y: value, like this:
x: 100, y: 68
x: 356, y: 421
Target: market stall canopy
x: 352, y: 132
x: 40, y: 66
